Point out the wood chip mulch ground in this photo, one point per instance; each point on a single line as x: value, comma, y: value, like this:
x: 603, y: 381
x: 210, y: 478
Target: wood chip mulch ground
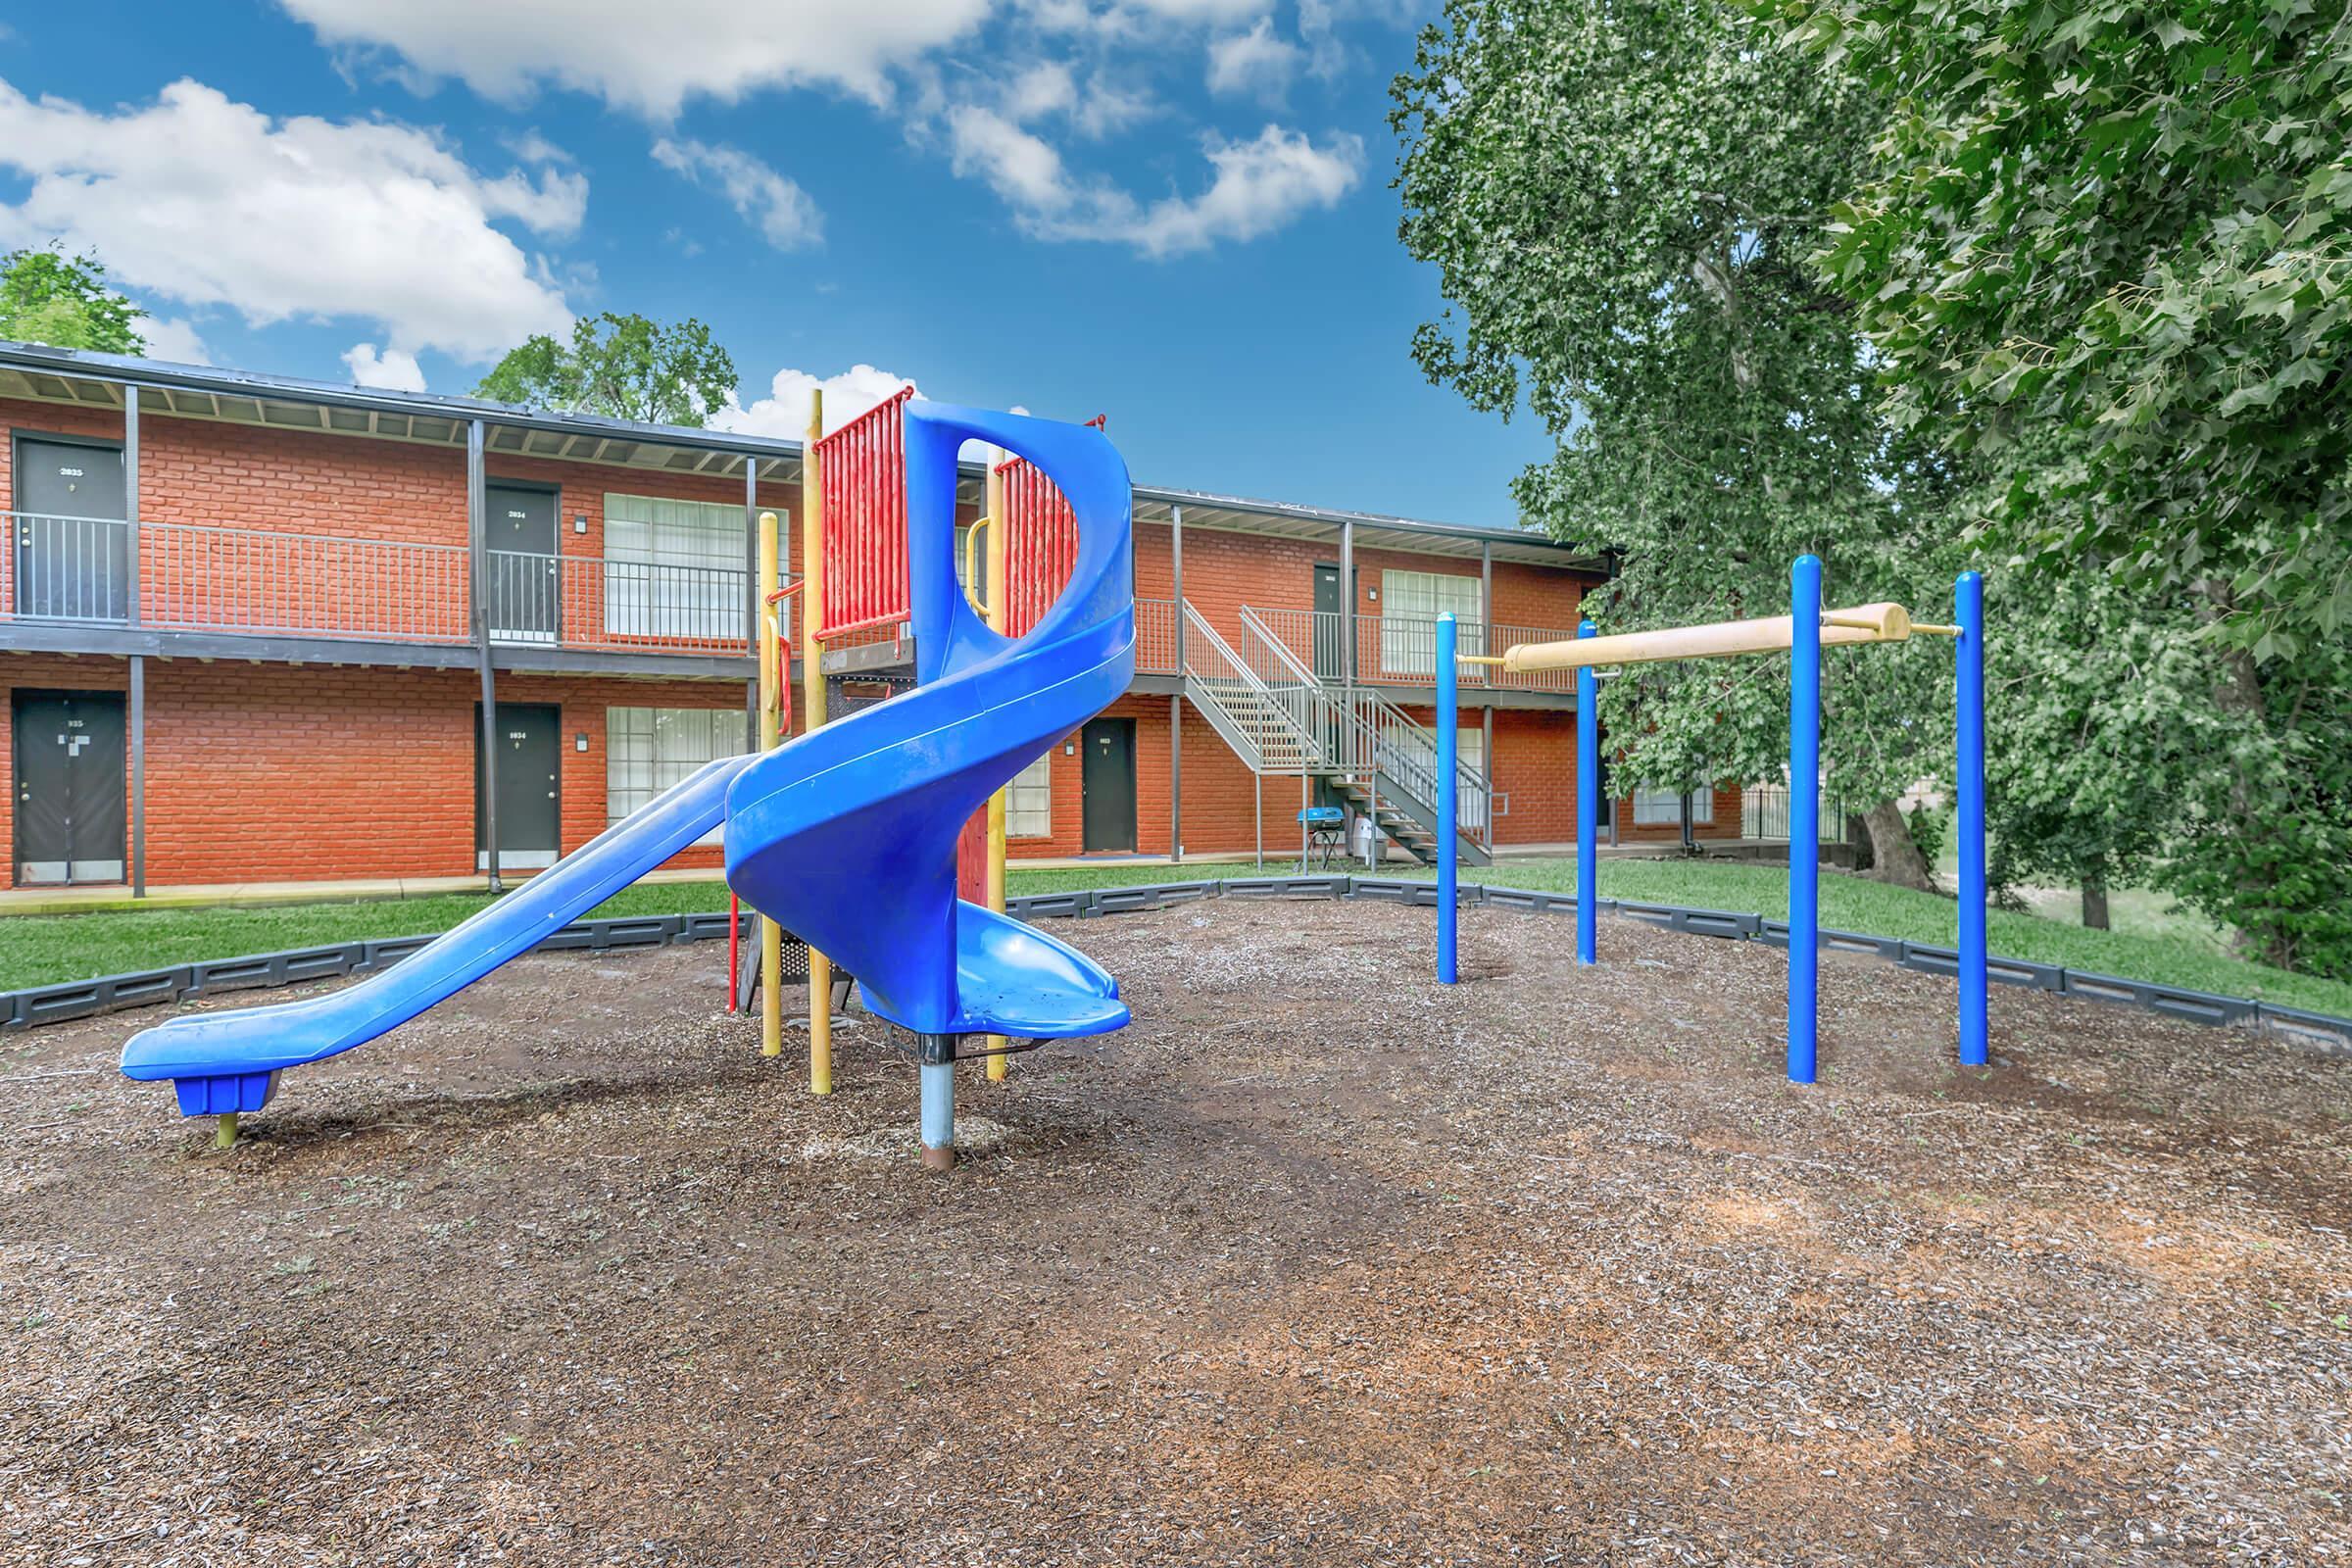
x: 1319, y: 1263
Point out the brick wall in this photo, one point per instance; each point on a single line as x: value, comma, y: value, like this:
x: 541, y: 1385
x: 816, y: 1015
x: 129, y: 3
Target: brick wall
x: 282, y: 772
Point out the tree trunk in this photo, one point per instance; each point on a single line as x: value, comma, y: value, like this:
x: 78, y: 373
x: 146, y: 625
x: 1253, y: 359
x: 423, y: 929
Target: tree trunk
x: 2095, y: 899
x: 1895, y: 854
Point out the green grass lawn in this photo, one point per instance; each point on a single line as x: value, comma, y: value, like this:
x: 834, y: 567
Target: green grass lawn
x: 36, y: 949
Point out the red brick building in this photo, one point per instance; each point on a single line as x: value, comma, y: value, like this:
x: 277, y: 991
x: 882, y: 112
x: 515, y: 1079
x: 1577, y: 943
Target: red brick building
x: 261, y: 630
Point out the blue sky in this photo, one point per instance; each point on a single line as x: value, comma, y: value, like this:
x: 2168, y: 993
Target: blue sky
x: 1172, y: 212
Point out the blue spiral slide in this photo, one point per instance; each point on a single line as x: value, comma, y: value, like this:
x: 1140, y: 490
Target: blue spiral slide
x: 845, y: 837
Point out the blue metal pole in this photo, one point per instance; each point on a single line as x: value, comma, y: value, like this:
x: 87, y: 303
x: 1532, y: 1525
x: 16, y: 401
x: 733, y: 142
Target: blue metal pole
x: 1968, y: 600
x: 1448, y: 698
x: 1588, y: 803
x: 1804, y: 814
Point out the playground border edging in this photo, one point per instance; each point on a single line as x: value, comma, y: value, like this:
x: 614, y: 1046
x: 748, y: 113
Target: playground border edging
x: 2319, y: 1032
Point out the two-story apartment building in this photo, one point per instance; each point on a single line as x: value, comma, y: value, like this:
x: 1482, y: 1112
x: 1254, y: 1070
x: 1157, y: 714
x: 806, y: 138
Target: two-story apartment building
x: 254, y: 629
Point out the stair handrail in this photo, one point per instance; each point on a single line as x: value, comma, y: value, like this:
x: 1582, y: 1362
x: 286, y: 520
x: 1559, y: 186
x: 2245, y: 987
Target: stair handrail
x: 1227, y: 665
x: 1406, y: 750
x: 1375, y: 735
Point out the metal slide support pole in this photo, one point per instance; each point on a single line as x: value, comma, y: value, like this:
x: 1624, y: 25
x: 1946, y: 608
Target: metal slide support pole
x: 477, y: 524
x: 999, y: 599
x: 1967, y: 598
x: 937, y: 1070
x: 776, y: 667
x: 1448, y: 835
x: 1587, y: 808
x: 1804, y: 814
x: 812, y: 617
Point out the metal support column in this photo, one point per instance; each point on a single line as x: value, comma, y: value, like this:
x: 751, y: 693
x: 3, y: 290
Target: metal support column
x: 1449, y: 822
x: 1804, y: 814
x: 478, y: 534
x: 1347, y: 601
x: 937, y: 1071
x: 1968, y: 603
x: 138, y: 776
x: 751, y: 595
x: 1176, y: 703
x: 1587, y: 804
x: 138, y: 664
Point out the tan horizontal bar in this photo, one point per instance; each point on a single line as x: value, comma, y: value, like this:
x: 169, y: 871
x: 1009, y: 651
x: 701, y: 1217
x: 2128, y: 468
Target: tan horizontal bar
x: 1921, y: 628
x: 1479, y: 658
x: 1861, y: 623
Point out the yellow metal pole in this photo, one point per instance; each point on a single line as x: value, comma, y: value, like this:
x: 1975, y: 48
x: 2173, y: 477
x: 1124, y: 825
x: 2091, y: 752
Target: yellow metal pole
x: 998, y: 602
x: 1863, y: 623
x: 225, y: 1131
x: 775, y: 670
x: 812, y: 616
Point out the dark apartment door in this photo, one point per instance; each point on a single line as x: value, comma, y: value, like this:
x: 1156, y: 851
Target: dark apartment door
x: 69, y: 791
x: 1330, y: 624
x: 530, y: 823
x: 524, y: 596
x: 1108, y: 783
x: 73, y: 546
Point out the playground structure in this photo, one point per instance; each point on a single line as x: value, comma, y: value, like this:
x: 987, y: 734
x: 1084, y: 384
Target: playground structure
x: 1802, y: 633
x: 844, y: 836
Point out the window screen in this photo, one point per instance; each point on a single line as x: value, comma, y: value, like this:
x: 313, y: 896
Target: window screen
x: 1664, y: 807
x: 674, y: 568
x: 1410, y: 602
x: 1029, y: 801
x: 647, y: 750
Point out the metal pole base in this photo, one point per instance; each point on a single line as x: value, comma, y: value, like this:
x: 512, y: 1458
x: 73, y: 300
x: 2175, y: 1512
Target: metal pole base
x: 938, y: 1078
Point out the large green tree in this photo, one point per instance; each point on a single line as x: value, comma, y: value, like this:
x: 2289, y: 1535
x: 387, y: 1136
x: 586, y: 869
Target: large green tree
x: 627, y: 366
x: 2133, y: 225
x: 2135, y: 222
x: 1621, y: 202
x: 49, y: 297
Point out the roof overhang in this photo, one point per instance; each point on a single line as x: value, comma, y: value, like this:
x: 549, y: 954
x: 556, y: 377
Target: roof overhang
x: 41, y: 374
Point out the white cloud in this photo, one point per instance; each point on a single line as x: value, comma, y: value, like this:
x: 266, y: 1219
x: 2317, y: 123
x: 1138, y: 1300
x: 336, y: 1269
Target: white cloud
x: 175, y: 340
x: 534, y: 148
x: 784, y: 411
x: 648, y: 59
x: 395, y: 370
x: 771, y: 202
x: 1254, y: 64
x: 207, y: 201
x: 1257, y: 186
x: 1019, y: 165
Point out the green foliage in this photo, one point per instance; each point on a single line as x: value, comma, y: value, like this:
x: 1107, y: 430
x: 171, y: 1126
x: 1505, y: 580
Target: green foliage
x: 2098, y: 705
x: 2267, y: 846
x: 2134, y: 223
x: 1621, y: 202
x: 49, y: 297
x: 627, y: 367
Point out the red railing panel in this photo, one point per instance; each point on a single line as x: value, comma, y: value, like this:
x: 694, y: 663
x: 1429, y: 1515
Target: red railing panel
x: 1040, y: 542
x: 864, y: 479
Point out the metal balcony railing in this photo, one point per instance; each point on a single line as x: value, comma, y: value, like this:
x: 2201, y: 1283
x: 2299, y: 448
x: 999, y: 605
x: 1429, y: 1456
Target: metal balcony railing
x: 1764, y: 814
x: 186, y: 577
x: 1155, y: 637
x: 592, y: 601
x: 1402, y: 649
x: 1361, y: 733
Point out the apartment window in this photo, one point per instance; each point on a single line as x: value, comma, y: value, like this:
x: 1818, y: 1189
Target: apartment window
x: 1029, y: 801
x: 1664, y: 807
x: 674, y: 568
x: 647, y: 750
x: 1410, y: 602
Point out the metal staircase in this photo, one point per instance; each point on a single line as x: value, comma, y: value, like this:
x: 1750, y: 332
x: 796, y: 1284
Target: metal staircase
x: 1280, y: 716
